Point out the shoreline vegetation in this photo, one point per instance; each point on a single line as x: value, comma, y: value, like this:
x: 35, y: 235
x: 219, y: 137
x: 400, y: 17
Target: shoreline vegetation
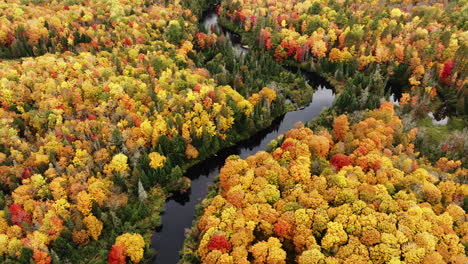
x: 106, y: 104
x: 365, y: 88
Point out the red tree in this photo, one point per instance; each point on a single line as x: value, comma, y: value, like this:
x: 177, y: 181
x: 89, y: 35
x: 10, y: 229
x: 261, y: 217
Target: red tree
x: 19, y: 215
x: 218, y: 242
x: 117, y: 254
x: 447, y: 71
x: 287, y: 145
x: 282, y: 228
x: 340, y: 160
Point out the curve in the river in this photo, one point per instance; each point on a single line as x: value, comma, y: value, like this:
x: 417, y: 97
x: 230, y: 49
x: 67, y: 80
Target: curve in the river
x: 180, y: 209
x: 210, y: 21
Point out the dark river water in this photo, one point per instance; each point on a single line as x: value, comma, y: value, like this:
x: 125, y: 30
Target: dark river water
x: 180, y: 209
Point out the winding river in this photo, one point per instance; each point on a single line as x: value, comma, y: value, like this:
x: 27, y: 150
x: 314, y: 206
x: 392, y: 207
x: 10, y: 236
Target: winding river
x: 180, y: 208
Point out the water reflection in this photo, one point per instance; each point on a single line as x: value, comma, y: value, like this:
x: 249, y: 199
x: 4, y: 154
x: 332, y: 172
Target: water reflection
x: 211, y: 26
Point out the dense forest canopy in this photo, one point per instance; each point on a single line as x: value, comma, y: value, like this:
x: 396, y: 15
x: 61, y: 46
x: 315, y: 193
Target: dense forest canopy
x: 105, y: 104
x: 355, y: 194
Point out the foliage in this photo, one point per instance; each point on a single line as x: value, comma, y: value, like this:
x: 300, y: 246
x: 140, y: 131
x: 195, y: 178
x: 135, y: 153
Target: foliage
x: 340, y: 39
x: 374, y: 201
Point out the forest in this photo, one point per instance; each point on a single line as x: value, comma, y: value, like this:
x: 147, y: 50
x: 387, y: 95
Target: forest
x: 105, y: 106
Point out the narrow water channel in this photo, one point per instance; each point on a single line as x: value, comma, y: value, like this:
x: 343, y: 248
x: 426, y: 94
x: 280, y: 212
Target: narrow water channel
x: 180, y: 209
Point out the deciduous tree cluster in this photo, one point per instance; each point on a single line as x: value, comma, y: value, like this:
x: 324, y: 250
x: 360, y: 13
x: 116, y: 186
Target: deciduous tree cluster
x: 361, y: 196
x: 422, y: 45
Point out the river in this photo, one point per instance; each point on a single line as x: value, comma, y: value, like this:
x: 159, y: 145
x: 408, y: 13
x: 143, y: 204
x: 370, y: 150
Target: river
x: 180, y: 208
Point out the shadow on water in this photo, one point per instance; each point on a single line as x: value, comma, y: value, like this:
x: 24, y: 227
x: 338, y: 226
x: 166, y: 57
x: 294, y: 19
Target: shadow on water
x: 313, y: 79
x: 396, y: 87
x: 180, y: 208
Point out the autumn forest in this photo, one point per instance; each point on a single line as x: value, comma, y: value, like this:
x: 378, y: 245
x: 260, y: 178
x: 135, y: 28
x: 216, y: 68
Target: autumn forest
x: 233, y: 131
